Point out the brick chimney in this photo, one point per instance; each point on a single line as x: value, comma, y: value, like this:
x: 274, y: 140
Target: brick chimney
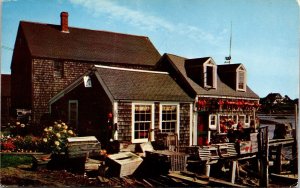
x: 64, y: 22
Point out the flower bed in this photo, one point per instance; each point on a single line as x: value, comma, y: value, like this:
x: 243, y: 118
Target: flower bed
x: 53, y: 140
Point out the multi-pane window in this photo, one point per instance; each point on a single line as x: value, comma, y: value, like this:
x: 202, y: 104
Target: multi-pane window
x: 142, y: 121
x: 210, y: 75
x: 58, y: 69
x: 241, y: 80
x: 169, y: 118
x: 213, y: 122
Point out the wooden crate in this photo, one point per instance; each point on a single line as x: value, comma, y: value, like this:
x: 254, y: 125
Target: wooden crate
x: 123, y: 164
x: 83, y: 146
x: 178, y: 160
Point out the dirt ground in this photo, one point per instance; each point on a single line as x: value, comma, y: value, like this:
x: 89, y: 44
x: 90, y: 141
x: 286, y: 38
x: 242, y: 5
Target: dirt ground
x: 20, y: 177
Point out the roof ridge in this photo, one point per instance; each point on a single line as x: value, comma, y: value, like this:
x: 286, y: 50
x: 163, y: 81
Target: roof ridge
x: 50, y: 24
x: 130, y: 69
x: 175, y: 55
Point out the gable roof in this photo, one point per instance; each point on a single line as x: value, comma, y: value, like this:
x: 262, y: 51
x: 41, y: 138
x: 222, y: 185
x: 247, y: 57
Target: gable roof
x: 5, y: 85
x: 47, y: 41
x: 133, y: 85
x: 223, y: 90
x: 229, y: 67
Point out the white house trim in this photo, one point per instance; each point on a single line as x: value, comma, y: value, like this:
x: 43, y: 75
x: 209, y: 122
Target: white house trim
x: 177, y: 128
x: 133, y: 121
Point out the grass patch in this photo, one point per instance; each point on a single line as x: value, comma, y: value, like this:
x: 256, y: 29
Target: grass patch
x: 15, y: 160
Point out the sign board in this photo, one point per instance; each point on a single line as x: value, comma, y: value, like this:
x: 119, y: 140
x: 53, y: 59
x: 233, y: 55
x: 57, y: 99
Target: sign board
x: 87, y: 81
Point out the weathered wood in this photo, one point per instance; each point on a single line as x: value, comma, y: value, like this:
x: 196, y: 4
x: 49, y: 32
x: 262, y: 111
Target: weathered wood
x: 188, y: 179
x: 123, y: 164
x: 222, y: 183
x: 233, y: 171
x: 278, y: 161
x: 92, y: 164
x: 82, y: 146
x: 178, y: 160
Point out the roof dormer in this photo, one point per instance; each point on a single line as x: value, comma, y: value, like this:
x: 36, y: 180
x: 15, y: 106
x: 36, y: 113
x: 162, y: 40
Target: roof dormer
x: 203, y: 71
x: 233, y: 75
x: 241, y: 78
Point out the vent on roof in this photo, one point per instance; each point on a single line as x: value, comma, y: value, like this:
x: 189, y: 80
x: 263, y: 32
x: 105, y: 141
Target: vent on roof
x: 64, y: 22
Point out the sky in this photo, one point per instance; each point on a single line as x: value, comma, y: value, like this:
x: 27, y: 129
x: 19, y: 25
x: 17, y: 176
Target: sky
x: 265, y: 33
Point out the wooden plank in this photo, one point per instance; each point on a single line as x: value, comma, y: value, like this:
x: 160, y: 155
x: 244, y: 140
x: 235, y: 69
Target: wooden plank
x: 188, y: 179
x: 82, y: 139
x: 222, y: 183
x: 85, y: 147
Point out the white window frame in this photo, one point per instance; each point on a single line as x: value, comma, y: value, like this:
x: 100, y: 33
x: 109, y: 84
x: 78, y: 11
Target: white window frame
x: 241, y: 70
x: 247, y: 121
x: 213, y: 126
x: 214, y: 76
x: 133, y: 140
x: 244, y: 122
x: 177, y: 128
x: 69, y: 112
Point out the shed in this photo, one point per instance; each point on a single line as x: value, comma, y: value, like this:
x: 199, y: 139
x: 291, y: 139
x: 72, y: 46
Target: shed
x: 126, y: 105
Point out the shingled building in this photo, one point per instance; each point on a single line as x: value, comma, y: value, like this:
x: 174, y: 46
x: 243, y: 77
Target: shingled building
x: 48, y: 57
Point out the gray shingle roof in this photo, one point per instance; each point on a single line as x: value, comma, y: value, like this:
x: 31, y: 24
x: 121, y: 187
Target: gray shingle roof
x: 222, y: 89
x: 47, y: 41
x: 141, y: 85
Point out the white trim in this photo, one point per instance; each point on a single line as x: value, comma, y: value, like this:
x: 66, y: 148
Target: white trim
x: 210, y: 63
x: 226, y: 97
x: 115, y: 120
x: 69, y: 114
x: 133, y: 120
x: 128, y: 69
x: 210, y: 126
x: 191, y: 125
x: 66, y: 90
x: 238, y: 78
x: 195, y: 132
x: 177, y: 128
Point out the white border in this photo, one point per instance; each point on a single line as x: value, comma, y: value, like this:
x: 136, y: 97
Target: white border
x: 177, y: 131
x: 133, y: 120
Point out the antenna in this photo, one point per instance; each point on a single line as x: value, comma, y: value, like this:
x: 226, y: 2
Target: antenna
x: 228, y: 59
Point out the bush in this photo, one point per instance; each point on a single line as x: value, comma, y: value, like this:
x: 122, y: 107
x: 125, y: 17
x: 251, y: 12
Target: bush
x: 55, y: 137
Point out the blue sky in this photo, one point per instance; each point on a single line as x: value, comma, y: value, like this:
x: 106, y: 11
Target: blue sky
x: 265, y: 32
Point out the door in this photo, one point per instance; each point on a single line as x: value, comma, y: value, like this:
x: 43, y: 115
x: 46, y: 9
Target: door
x: 73, y: 113
x: 202, y: 128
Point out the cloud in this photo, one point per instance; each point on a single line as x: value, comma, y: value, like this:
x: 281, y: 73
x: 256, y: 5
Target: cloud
x: 6, y: 1
x: 144, y: 20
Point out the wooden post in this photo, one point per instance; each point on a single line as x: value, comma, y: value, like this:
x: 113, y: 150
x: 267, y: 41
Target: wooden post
x: 263, y: 157
x: 233, y: 171
x: 207, y: 170
x: 278, y: 162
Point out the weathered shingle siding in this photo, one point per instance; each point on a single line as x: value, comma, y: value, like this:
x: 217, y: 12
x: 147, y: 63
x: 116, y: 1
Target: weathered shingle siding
x: 184, y: 136
x: 124, y: 120
x: 45, y: 85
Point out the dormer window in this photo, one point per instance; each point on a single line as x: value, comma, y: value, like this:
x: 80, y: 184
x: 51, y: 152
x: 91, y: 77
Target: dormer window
x: 210, y: 74
x: 241, y: 79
